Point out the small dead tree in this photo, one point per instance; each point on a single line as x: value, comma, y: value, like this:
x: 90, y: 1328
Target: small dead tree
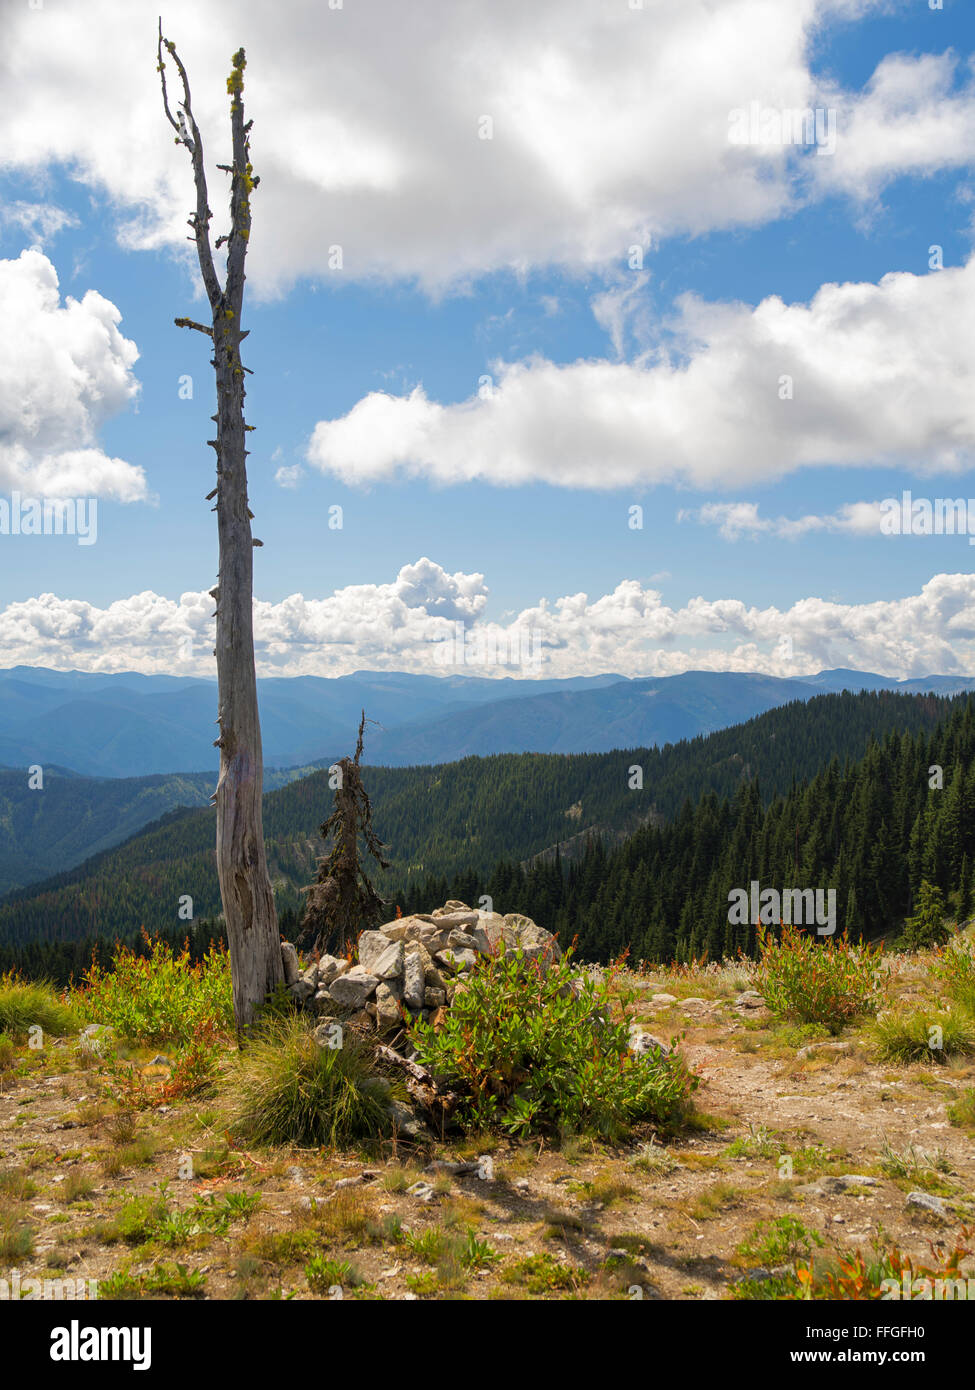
x: 245, y: 888
x: 342, y: 901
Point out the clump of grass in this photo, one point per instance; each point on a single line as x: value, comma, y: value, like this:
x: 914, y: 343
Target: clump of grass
x: 653, y: 1158
x: 759, y: 1142
x: 280, y: 1247
x: 135, y: 1222
x: 77, y: 1185
x: 604, y: 1190
x: 924, y: 1036
x: 8, y: 1053
x: 135, y: 1155
x: 16, y: 1239
x: 455, y: 1253
x: 25, y: 1004
x: 559, y: 1223
x: 719, y: 1197
x: 961, y: 1112
x: 916, y: 1165
x: 16, y: 1185
x: 810, y: 979
x: 545, y: 1274
x: 121, y: 1127
x: 396, y: 1179
x: 388, y: 1230
x: 326, y: 1275
x: 176, y: 1280
x: 291, y: 1091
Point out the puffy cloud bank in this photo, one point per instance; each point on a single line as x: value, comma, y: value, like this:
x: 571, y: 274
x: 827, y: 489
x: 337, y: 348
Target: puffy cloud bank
x: 413, y: 622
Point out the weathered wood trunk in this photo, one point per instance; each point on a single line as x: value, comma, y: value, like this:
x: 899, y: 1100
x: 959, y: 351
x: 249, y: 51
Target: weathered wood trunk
x: 245, y: 888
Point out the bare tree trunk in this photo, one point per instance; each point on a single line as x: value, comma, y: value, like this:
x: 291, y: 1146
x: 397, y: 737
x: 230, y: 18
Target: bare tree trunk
x: 245, y: 888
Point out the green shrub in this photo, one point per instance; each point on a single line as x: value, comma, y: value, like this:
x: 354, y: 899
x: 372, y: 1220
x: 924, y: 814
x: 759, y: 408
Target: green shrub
x: 527, y: 1050
x: 162, y: 997
x: 291, y: 1091
x: 779, y: 1241
x: 855, y: 1277
x: 955, y: 969
x: 811, y: 980
x: 25, y: 1004
x: 193, y: 1072
x: 926, y: 1035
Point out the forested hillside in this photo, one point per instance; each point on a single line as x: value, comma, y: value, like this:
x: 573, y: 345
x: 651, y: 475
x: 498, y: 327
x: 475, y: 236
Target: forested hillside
x: 871, y: 831
x: 46, y: 830
x: 463, y: 818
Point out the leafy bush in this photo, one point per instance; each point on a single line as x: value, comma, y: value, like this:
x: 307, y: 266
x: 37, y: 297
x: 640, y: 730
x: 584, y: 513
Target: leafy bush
x: 927, y: 927
x: 162, y: 997
x: 819, y: 981
x: 291, y: 1091
x: 193, y: 1073
x: 859, y: 1279
x: 528, y: 1050
x: 25, y: 1004
x: 926, y: 1035
x: 955, y: 969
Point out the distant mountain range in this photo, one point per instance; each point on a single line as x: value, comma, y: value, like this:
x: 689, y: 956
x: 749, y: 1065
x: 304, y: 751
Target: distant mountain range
x: 437, y: 821
x: 129, y: 725
x: 69, y: 724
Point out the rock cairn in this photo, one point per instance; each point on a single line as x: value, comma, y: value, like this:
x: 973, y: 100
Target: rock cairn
x: 412, y: 966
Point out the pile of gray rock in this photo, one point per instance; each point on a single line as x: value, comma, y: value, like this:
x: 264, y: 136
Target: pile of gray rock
x: 413, y: 965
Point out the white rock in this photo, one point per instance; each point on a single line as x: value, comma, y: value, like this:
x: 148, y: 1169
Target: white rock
x: 457, y: 961
x: 389, y: 964
x: 388, y: 1015
x: 372, y: 944
x: 352, y: 989
x: 414, y: 981
x: 331, y: 967
x: 289, y: 959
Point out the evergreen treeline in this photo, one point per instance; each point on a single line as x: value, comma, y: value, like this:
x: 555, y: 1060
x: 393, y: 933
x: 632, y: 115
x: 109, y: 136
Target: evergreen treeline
x: 64, y: 961
x: 871, y: 830
x: 475, y: 821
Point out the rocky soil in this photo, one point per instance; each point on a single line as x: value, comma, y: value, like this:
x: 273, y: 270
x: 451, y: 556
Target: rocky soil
x: 856, y: 1149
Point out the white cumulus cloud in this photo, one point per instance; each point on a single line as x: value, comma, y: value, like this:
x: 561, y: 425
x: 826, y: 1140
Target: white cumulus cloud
x: 64, y: 370
x: 609, y: 124
x: 412, y: 624
x: 864, y: 374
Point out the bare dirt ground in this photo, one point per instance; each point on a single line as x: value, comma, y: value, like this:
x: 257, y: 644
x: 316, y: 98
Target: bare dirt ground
x: 89, y: 1192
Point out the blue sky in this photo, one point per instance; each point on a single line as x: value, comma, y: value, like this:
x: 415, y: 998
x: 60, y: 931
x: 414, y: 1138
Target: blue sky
x: 439, y: 294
